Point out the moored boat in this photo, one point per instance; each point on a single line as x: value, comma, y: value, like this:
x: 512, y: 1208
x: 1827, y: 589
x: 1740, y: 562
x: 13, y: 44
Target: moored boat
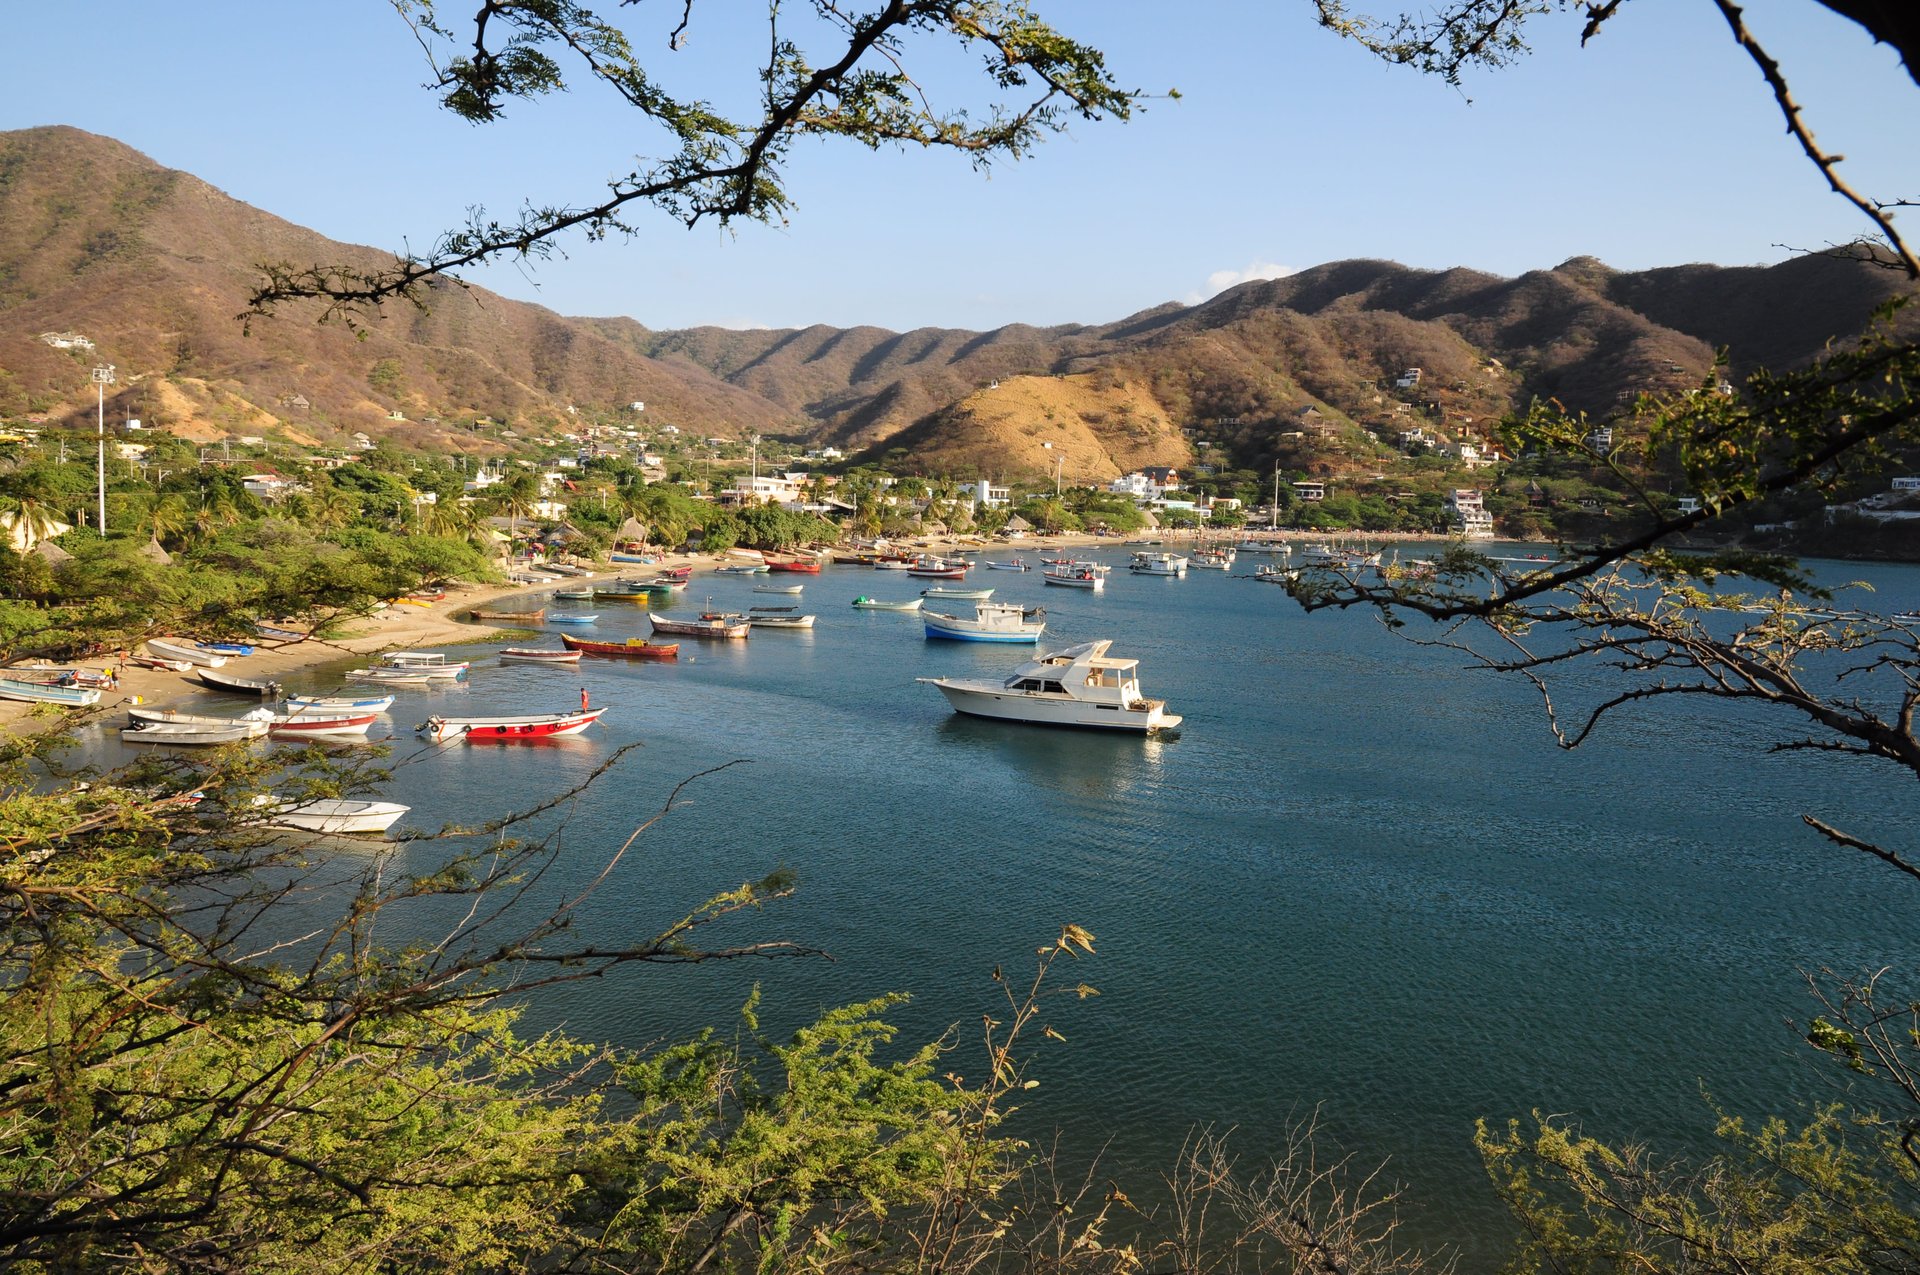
x: 1158, y: 564
x: 191, y: 734
x: 341, y: 703
x: 933, y: 567
x: 308, y: 724
x: 778, y: 588
x: 331, y: 814
x: 875, y: 604
x: 991, y: 622
x: 805, y: 565
x: 512, y: 617
x: 957, y: 595
x: 219, y: 681
x: 1078, y: 686
x: 778, y: 618
x: 512, y: 730
x: 1212, y: 560
x: 432, y: 664
x: 631, y: 649
x: 1074, y: 575
x: 707, y: 626
x: 573, y: 617
x: 1016, y: 564
x: 539, y: 655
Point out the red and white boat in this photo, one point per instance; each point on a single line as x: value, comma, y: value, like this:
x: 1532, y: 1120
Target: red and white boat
x: 540, y: 655
x: 806, y: 566
x: 512, y: 730
x: 305, y: 723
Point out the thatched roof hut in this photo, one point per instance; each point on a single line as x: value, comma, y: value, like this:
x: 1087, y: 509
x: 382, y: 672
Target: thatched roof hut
x: 632, y: 530
x: 1017, y: 523
x: 154, y: 551
x: 50, y: 553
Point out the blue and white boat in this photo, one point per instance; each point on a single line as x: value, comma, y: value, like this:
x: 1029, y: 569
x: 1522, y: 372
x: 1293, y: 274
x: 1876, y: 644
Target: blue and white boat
x: 48, y: 693
x: 342, y: 703
x: 573, y: 617
x: 991, y: 622
x: 225, y: 648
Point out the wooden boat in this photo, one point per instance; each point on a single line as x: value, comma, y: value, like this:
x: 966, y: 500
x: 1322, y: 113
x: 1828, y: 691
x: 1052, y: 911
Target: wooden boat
x: 682, y: 574
x: 390, y: 676
x: 875, y: 604
x: 962, y: 595
x: 237, y: 685
x: 510, y: 730
x: 432, y: 663
x: 174, y: 717
x: 805, y: 565
x: 314, y: 724
x: 630, y: 557
x: 57, y: 675
x: 190, y: 734
x: 991, y: 622
x: 329, y: 814
x: 891, y: 564
x: 1015, y: 565
x: 778, y: 618
x: 512, y: 617
x: 540, y: 655
x: 574, y: 595
x: 742, y: 569
x: 631, y: 649
x: 162, y: 649
x: 1073, y: 575
x: 717, y: 626
x: 228, y: 649
x: 47, y: 693
x: 664, y: 584
x: 278, y: 634
x: 778, y: 588
x: 574, y: 617
x: 931, y: 567
x: 340, y: 703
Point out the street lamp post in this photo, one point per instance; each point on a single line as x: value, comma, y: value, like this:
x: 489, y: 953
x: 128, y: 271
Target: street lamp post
x: 1059, y: 468
x: 102, y: 377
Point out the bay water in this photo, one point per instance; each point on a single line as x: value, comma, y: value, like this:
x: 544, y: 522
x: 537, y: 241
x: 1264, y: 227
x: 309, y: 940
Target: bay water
x: 1362, y: 881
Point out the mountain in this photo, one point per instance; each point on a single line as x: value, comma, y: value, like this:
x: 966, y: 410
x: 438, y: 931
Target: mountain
x: 153, y: 265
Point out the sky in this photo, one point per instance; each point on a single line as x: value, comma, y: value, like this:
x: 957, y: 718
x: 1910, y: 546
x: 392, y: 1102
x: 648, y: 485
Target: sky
x: 1657, y: 144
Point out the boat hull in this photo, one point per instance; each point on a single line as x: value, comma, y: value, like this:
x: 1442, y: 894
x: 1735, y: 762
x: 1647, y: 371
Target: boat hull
x: 510, y: 730
x: 38, y: 693
x: 698, y: 628
x: 1008, y: 706
x: 340, y: 703
x: 958, y: 630
x: 536, y: 656
x: 337, y: 816
x: 179, y: 651
x: 237, y: 685
x: 624, y: 650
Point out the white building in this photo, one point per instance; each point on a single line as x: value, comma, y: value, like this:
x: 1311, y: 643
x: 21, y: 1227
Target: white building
x: 985, y: 494
x: 767, y: 489
x: 1468, y: 512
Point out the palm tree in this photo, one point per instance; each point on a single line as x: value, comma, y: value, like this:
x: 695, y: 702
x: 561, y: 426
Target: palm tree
x: 29, y: 520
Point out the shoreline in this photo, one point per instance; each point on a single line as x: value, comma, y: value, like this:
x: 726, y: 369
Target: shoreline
x: 403, y: 628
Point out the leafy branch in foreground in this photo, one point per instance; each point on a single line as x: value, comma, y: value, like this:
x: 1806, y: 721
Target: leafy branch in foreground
x: 858, y: 85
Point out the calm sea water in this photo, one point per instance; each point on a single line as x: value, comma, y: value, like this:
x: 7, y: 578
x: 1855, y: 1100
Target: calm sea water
x: 1363, y: 879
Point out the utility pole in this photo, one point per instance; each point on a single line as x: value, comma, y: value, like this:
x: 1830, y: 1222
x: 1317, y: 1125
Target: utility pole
x: 102, y: 377
x: 1060, y: 466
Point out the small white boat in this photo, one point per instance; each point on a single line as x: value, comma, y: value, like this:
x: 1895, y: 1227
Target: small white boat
x: 164, y: 650
x: 991, y: 622
x: 778, y: 588
x: 1273, y: 574
x: 309, y: 722
x: 192, y: 734
x: 1212, y: 560
x: 1015, y: 565
x: 875, y: 604
x: 432, y: 663
x: 574, y: 595
x: 341, y: 703
x: 957, y: 595
x: 742, y: 569
x: 174, y: 717
x: 1158, y: 564
x: 328, y: 814
x: 778, y: 618
x: 572, y: 617
x: 511, y: 730
x: 1079, y: 686
x: 539, y: 655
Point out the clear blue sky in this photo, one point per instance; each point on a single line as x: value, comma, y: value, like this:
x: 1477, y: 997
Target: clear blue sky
x: 1658, y: 144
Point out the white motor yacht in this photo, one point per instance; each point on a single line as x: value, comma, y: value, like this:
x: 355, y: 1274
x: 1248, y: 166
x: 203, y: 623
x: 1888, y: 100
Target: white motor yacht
x: 1079, y: 686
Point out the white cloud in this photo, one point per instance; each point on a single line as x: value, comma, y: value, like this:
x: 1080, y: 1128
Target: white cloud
x: 1220, y: 280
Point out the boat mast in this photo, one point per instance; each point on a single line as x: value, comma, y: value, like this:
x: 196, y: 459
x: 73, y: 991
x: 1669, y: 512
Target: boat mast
x: 1273, y: 510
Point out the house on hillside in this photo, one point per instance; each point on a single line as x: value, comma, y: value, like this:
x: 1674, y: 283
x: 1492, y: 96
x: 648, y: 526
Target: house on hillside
x: 986, y: 495
x: 1309, y: 489
x: 1468, y: 513
x: 66, y: 340
x: 359, y: 442
x: 1407, y: 379
x: 296, y: 403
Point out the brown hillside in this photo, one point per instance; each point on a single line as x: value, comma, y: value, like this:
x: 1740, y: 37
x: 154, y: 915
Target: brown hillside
x: 1098, y: 425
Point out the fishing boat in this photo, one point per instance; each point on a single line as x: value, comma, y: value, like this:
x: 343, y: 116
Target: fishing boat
x: 741, y: 569
x: 303, y: 724
x: 1079, y: 686
x: 778, y: 618
x: 573, y: 617
x: 341, y: 703
x: 875, y: 604
x: 330, y: 814
x: 630, y: 557
x: 574, y: 595
x: 681, y: 574
x: 631, y: 649
x: 665, y: 584
x: 933, y: 567
x: 1212, y: 560
x: 1158, y: 564
x: 511, y: 617
x: 957, y: 595
x: 540, y: 655
x: 237, y: 685
x: 991, y: 622
x: 512, y: 730
x: 191, y: 734
x: 893, y: 564
x: 432, y: 664
x: 1272, y: 573
x: 710, y: 625
x: 390, y: 676
x: 1016, y: 564
x: 805, y: 565
x: 160, y: 648
x: 47, y: 693
x: 778, y: 588
x: 277, y: 634
x: 1074, y: 575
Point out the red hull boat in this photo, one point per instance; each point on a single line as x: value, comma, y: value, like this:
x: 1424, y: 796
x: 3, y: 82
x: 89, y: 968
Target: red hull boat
x: 809, y: 568
x: 631, y: 649
x: 510, y: 730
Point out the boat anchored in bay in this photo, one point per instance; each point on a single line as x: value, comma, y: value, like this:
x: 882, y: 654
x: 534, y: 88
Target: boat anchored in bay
x: 1079, y: 686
